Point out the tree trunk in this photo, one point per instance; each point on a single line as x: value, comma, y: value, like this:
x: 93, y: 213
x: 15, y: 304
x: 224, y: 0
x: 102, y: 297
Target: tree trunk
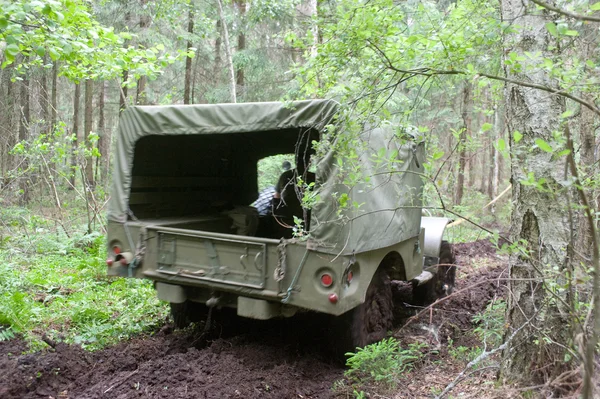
x: 24, y: 125
x: 54, y: 101
x: 538, y: 217
x: 587, y: 140
x: 217, y: 69
x: 123, y: 92
x: 232, y: 91
x: 87, y: 130
x: 45, y: 98
x: 104, y: 137
x: 462, y: 151
x: 495, y: 167
x: 188, y: 61
x: 7, y: 131
x: 75, y: 134
x: 141, y: 95
x: 241, y: 7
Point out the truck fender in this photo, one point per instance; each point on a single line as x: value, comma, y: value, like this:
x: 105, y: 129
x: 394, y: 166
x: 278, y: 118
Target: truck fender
x: 434, y: 231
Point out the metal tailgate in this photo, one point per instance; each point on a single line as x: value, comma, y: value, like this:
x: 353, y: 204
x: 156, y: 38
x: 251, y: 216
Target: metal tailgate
x: 212, y: 257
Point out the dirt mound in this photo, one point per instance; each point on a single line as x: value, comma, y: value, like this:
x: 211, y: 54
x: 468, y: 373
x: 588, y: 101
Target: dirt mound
x: 169, y: 366
x: 254, y: 359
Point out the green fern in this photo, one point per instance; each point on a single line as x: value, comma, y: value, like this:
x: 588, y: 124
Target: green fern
x: 6, y: 334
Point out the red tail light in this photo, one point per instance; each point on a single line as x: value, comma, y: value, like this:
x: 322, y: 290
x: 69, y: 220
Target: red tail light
x: 326, y: 280
x: 116, y: 250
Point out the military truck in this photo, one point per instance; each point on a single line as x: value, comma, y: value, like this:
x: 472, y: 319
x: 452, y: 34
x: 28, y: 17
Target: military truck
x: 184, y: 179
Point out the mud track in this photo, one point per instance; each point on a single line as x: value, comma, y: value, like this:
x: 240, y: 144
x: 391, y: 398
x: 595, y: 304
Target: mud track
x: 278, y: 358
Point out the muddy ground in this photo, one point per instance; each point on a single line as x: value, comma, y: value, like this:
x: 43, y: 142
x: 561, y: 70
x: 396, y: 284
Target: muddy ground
x: 273, y: 359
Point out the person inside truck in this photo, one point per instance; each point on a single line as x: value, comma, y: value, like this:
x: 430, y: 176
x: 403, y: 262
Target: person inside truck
x: 264, y: 202
x: 290, y: 189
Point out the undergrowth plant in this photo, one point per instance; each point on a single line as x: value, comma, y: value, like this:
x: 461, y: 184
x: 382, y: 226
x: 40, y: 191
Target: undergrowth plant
x: 55, y: 286
x: 383, y: 362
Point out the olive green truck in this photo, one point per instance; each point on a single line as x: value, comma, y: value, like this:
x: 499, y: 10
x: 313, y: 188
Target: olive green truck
x: 180, y: 214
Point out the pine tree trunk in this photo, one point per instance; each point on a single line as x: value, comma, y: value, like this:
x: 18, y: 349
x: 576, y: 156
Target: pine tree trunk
x: 232, y: 91
x: 538, y: 216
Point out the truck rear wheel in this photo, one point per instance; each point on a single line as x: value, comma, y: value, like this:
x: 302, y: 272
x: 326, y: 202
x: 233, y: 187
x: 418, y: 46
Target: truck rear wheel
x: 443, y: 280
x: 368, y: 322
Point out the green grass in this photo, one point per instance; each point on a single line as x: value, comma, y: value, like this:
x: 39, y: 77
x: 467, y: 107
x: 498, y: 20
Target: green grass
x: 58, y: 287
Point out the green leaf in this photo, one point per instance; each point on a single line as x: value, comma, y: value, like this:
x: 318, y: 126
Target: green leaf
x: 501, y: 145
x: 437, y: 155
x: 12, y: 49
x: 595, y: 7
x: 486, y: 126
x: 552, y: 29
x: 40, y: 51
x: 3, y: 23
x: 572, y: 33
x: 517, y: 136
x: 54, y: 55
x: 564, y: 152
x: 543, y: 145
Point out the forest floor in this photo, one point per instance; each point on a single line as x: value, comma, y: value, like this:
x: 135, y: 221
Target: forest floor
x: 278, y: 358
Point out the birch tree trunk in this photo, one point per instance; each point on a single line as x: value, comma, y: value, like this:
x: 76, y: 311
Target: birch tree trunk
x: 539, y: 216
x: 232, y: 83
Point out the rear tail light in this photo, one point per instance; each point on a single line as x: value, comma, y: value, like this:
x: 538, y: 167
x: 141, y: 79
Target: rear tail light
x: 349, y: 277
x: 326, y: 280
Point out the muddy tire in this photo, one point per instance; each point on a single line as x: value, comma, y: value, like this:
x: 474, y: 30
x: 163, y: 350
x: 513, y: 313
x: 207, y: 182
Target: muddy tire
x: 443, y: 280
x: 187, y: 312
x: 368, y: 322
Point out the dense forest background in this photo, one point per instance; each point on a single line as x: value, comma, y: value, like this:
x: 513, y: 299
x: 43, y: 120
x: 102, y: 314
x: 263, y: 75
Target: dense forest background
x: 503, y: 92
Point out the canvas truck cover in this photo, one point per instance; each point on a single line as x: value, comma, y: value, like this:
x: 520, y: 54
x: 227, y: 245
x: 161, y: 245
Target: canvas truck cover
x: 390, y: 202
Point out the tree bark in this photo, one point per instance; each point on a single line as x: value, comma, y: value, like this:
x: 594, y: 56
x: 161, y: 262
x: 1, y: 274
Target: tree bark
x: 54, y: 101
x: 104, y: 137
x: 217, y: 68
x: 75, y: 133
x: 24, y: 125
x: 241, y: 7
x: 125, y: 75
x: 188, y: 61
x: 232, y: 91
x: 462, y: 151
x: 45, y: 98
x: 538, y: 215
x: 141, y: 95
x: 87, y: 130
